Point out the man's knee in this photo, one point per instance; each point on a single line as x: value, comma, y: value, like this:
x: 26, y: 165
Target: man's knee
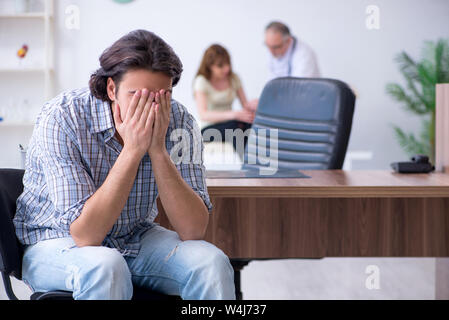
x: 106, y: 272
x: 212, y: 261
x: 210, y: 275
x: 111, y: 262
x: 219, y: 262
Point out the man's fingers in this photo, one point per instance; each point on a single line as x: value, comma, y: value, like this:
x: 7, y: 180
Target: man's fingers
x: 157, y: 116
x: 132, y: 105
x: 158, y: 97
x: 141, y: 105
x: 146, y: 109
x: 168, y: 99
x: 162, y: 101
x: 150, y: 100
x: 159, y: 101
x: 146, y: 112
x: 150, y: 119
x: 116, y: 114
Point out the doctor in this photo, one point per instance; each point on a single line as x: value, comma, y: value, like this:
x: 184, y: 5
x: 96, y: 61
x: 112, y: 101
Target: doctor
x: 289, y: 57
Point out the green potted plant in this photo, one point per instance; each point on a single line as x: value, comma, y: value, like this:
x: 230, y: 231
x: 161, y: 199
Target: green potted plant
x: 418, y: 95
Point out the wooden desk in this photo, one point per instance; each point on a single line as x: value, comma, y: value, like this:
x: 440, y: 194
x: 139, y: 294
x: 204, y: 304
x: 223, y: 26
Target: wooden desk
x: 335, y: 213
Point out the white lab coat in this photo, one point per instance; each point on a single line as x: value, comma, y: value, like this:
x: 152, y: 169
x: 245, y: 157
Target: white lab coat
x: 299, y: 61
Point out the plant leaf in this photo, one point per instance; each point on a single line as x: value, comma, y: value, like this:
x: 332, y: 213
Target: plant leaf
x: 409, y: 143
x: 399, y: 94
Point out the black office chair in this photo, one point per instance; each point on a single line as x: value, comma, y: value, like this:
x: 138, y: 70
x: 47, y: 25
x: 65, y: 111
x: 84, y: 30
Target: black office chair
x: 313, y: 117
x: 11, y: 251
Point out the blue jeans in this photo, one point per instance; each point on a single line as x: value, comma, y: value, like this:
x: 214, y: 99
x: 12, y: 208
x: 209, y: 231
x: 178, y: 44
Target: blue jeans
x: 193, y: 269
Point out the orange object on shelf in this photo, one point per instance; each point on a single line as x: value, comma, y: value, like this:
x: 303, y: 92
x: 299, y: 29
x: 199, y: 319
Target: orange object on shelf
x: 21, y: 53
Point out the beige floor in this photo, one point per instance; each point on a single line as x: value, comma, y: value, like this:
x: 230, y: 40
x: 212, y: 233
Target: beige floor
x: 339, y: 278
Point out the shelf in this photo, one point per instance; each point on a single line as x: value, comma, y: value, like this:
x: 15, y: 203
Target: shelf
x: 9, y: 70
x: 6, y: 124
x: 29, y: 15
x: 24, y: 70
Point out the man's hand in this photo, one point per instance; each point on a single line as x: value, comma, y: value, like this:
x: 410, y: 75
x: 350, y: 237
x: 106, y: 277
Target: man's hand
x: 103, y: 208
x: 161, y: 122
x: 136, y: 129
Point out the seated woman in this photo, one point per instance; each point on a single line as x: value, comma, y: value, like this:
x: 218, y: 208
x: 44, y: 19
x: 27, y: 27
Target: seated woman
x: 215, y: 88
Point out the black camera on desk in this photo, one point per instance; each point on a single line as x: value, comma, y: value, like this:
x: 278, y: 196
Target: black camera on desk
x: 419, y: 164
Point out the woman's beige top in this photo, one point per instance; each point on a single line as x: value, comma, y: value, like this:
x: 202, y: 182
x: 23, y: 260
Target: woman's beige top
x: 217, y: 100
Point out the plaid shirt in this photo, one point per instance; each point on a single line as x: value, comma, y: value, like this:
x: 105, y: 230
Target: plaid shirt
x: 71, y: 152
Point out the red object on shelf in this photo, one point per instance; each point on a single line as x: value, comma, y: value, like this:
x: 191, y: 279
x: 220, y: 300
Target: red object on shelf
x: 21, y: 53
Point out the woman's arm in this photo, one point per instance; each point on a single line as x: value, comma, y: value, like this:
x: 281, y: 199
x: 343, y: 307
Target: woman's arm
x: 249, y: 105
x: 244, y: 115
x: 208, y: 115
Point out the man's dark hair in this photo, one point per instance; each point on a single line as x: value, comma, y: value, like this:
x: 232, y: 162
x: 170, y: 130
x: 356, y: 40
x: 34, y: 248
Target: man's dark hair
x: 139, y: 49
x: 278, y: 27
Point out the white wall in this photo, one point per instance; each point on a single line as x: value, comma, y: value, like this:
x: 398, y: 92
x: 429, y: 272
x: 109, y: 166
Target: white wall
x: 346, y: 50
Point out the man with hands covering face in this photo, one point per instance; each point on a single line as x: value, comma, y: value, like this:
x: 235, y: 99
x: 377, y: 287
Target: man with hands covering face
x: 99, y: 158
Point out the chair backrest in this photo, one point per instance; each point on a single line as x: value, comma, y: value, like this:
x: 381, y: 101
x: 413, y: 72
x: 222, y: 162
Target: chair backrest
x: 313, y: 117
x: 11, y: 252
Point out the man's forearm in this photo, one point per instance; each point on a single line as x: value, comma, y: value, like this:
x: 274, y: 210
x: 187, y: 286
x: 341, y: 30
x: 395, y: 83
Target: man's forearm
x: 103, y: 208
x: 185, y: 209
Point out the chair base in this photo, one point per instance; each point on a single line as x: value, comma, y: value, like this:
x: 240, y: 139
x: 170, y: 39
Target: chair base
x: 238, y: 265
x: 52, y: 295
x: 138, y: 294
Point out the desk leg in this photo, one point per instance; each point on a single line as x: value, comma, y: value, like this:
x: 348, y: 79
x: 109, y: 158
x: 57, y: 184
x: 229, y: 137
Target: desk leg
x: 442, y: 279
x: 238, y: 265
